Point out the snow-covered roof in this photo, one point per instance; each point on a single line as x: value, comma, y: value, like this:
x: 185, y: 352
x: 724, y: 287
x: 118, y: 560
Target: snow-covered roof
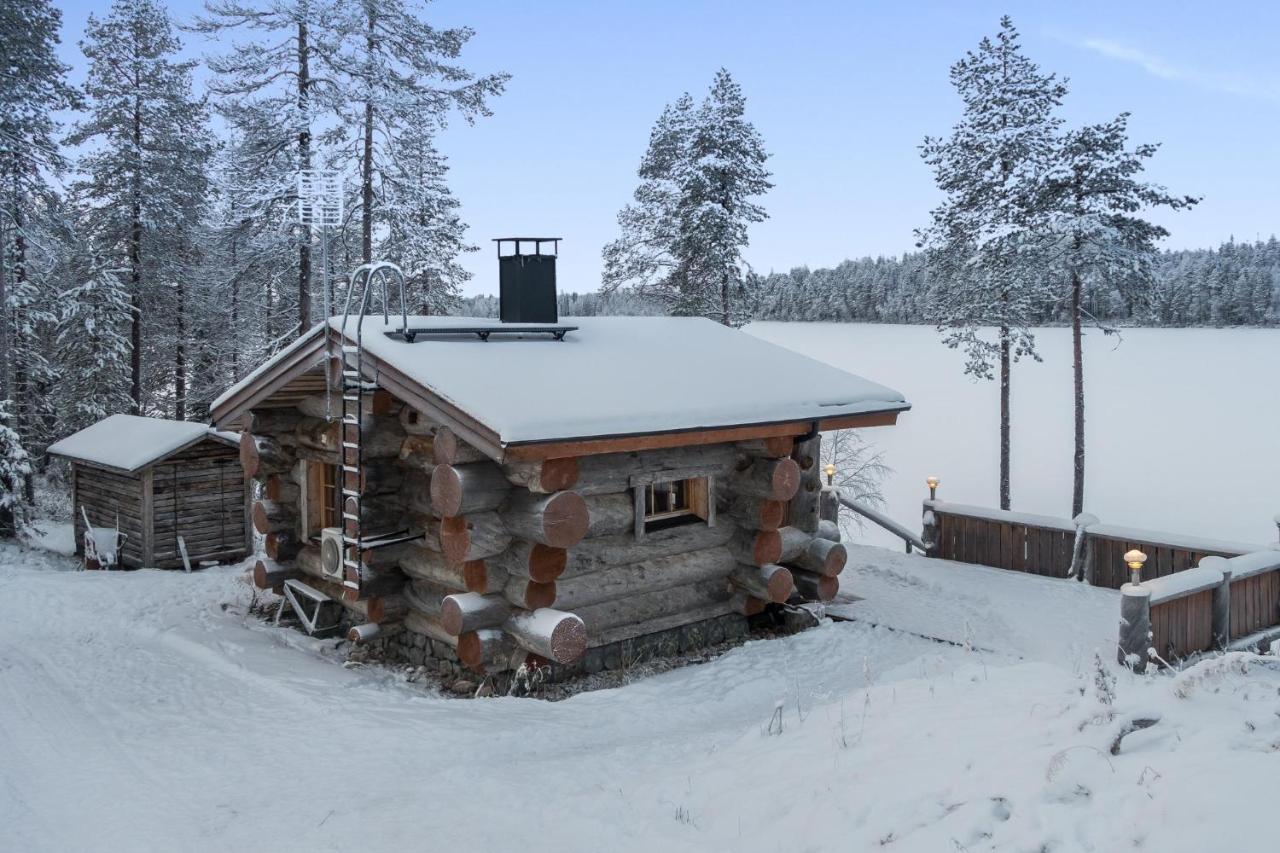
x: 130, y: 442
x: 617, y: 376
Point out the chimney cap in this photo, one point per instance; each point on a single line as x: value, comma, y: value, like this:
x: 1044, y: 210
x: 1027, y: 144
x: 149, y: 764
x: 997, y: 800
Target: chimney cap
x: 536, y: 241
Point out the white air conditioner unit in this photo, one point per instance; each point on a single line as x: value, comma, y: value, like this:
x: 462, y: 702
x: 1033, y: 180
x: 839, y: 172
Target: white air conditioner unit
x: 331, y: 547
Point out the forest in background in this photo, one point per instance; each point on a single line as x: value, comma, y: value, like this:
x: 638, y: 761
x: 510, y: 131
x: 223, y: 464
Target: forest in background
x: 1236, y: 284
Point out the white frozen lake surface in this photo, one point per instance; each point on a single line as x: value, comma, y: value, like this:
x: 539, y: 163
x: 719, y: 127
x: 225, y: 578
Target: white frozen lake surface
x: 1181, y: 424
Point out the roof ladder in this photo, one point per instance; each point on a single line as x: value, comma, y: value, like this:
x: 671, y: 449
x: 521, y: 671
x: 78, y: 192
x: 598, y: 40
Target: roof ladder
x: 354, y: 389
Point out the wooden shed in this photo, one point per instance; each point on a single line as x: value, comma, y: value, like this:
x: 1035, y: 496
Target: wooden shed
x: 159, y: 480
x: 584, y: 492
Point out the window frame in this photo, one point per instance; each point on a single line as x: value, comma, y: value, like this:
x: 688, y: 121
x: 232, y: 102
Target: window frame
x: 699, y: 500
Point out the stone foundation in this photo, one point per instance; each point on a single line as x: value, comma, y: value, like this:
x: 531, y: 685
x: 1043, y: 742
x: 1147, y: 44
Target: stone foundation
x: 415, y: 649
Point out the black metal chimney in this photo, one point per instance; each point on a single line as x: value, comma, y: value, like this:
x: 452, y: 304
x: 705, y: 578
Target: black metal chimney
x: 527, y: 283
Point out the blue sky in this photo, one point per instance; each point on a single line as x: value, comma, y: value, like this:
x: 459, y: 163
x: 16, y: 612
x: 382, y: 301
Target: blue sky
x: 842, y: 93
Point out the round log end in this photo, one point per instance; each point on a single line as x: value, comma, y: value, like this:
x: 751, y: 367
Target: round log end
x: 772, y: 514
x: 445, y: 446
x: 260, y: 575
x: 446, y: 491
x: 827, y: 588
x: 260, y: 521
x: 470, y: 650
x: 559, y: 474
x: 377, y: 607
x: 455, y: 539
x: 537, y: 595
x: 834, y: 563
x: 780, y: 585
x: 546, y: 563
x: 565, y: 520
x: 475, y: 575
x: 785, y: 480
x: 568, y: 639
x: 363, y: 633
x: 767, y: 547
x: 249, y: 459
x: 451, y: 615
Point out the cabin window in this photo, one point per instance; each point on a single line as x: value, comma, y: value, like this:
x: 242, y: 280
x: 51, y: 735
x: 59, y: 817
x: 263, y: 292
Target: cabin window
x: 324, y: 498
x: 664, y: 504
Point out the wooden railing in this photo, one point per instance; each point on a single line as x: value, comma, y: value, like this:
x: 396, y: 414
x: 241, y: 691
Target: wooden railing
x: 1218, y: 604
x: 1059, y: 547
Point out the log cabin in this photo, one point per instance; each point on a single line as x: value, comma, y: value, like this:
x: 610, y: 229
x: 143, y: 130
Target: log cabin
x: 577, y: 494
x: 159, y: 481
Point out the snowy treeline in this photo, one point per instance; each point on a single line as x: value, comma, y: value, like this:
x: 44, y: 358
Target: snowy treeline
x: 151, y: 247
x: 1237, y: 284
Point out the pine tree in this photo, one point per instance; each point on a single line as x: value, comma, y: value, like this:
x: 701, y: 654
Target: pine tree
x: 981, y: 241
x: 33, y: 89
x: 93, y: 347
x: 270, y: 88
x: 682, y: 240
x: 401, y: 83
x: 1102, y: 240
x: 15, y: 469
x: 147, y: 147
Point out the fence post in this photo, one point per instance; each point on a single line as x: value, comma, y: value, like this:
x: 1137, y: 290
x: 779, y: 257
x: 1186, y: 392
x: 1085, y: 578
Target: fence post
x: 1135, y: 626
x: 1135, y: 616
x: 1221, y: 601
x: 929, y: 521
x: 1082, y: 548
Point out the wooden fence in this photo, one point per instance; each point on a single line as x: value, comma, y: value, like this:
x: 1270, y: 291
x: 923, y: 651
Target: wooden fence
x: 1058, y: 547
x: 1219, y: 604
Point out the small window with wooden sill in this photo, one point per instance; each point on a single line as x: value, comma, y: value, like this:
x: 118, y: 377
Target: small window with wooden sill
x: 676, y: 502
x: 324, y: 498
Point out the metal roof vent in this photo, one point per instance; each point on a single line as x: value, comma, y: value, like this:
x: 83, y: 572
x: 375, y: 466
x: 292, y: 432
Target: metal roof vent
x: 527, y: 282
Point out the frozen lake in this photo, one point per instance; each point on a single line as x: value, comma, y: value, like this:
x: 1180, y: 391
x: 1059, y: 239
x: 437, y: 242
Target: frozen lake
x: 1181, y: 424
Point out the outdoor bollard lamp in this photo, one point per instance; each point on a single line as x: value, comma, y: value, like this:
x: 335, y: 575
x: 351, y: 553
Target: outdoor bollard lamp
x: 1134, y: 559
x: 933, y: 487
x: 831, y: 473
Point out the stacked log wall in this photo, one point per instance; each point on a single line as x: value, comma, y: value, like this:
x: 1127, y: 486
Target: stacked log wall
x: 546, y: 560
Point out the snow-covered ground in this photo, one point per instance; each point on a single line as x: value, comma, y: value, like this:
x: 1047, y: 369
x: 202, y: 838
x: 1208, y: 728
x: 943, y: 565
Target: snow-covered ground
x: 145, y: 711
x: 1180, y: 423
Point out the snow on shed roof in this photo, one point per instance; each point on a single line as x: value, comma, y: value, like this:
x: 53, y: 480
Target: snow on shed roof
x: 622, y: 376
x: 130, y: 442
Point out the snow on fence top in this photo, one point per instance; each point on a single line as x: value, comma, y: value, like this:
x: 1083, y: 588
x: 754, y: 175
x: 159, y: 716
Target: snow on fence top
x: 618, y: 376
x: 1098, y: 531
x: 1002, y: 515
x: 130, y: 442
x: 1181, y: 584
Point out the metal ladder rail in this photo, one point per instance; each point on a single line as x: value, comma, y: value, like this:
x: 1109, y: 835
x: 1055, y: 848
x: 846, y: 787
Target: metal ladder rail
x: 354, y: 386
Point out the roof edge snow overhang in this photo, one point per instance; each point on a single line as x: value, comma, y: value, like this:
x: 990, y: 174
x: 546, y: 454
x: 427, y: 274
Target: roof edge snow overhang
x: 210, y: 435
x: 302, y: 357
x: 532, y: 451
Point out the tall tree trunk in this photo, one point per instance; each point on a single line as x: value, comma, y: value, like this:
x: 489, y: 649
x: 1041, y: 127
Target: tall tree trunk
x: 724, y: 301
x: 5, y: 318
x: 1077, y: 367
x: 366, y: 159
x: 235, y: 304
x: 22, y: 397
x: 135, y: 266
x: 180, y: 356
x: 304, y: 162
x: 1005, y: 376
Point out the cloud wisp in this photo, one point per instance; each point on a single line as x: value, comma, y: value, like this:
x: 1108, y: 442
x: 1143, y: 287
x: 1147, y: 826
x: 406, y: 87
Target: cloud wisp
x: 1234, y: 83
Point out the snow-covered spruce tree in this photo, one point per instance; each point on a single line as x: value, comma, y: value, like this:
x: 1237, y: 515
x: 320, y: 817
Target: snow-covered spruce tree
x: 15, y: 470
x: 33, y: 89
x: 683, y: 237
x: 981, y: 244
x: 93, y: 346
x: 400, y: 84
x: 145, y: 146
x: 424, y: 233
x: 270, y: 87
x: 1101, y: 239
